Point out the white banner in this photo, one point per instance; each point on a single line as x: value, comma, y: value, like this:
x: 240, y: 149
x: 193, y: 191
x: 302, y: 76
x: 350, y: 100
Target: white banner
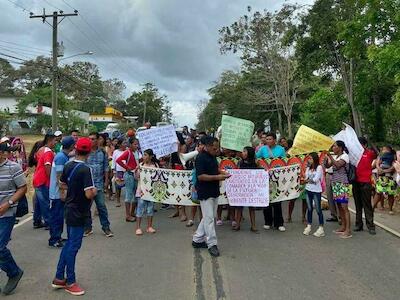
x: 349, y: 137
x: 175, y: 186
x: 248, y: 187
x: 162, y: 140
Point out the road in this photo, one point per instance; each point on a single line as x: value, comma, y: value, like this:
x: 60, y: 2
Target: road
x: 269, y: 265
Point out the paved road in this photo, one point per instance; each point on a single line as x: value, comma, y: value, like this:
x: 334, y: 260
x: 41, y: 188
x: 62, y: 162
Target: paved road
x: 269, y: 265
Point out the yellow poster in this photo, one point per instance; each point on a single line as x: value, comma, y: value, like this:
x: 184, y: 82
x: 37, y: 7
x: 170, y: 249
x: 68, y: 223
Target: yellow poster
x: 308, y: 140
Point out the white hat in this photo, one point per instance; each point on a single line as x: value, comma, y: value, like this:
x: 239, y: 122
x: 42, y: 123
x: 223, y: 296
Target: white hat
x: 58, y: 133
x: 4, y: 139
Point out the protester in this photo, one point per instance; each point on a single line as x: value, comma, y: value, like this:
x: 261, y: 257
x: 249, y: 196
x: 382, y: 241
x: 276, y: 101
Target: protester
x: 118, y: 178
x: 56, y: 213
x: 208, y: 176
x: 248, y: 162
x: 145, y: 207
x: 273, y: 213
x: 313, y: 179
x: 256, y: 138
x: 77, y: 179
x: 386, y: 183
x: 284, y: 143
x: 12, y: 188
x: 75, y: 134
x: 362, y: 189
x: 98, y: 162
x: 340, y: 185
x: 41, y: 182
x: 127, y: 160
x: 58, y: 146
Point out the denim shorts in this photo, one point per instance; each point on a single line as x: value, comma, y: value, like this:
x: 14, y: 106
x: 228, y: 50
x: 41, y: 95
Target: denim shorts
x: 144, y: 207
x: 130, y: 187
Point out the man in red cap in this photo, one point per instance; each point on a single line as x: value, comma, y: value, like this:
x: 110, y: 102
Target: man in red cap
x: 77, y: 181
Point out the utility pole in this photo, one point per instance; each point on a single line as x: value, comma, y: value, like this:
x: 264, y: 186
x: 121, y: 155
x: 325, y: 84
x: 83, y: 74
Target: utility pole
x: 54, y: 100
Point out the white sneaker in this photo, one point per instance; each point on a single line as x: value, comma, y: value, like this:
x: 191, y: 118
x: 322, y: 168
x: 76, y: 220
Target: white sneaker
x: 320, y: 232
x: 267, y: 227
x: 307, y: 230
x: 281, y: 228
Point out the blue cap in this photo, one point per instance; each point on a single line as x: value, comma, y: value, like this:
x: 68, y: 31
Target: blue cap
x: 67, y: 142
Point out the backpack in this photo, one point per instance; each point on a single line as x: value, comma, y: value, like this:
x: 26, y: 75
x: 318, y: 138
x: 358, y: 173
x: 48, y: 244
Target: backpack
x: 351, y: 173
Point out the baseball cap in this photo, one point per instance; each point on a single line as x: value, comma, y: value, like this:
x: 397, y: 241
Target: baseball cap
x: 4, y: 139
x: 57, y: 133
x: 67, y: 142
x: 83, y: 144
x: 4, y: 147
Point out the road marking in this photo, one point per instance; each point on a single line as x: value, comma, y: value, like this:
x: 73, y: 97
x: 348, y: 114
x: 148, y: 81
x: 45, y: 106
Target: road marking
x: 23, y: 221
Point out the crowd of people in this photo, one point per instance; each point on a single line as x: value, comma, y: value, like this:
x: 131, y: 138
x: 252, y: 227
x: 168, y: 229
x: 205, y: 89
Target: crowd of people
x: 73, y: 173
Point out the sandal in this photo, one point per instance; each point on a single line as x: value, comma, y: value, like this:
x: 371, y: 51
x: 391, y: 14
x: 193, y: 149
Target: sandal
x: 343, y: 236
x: 174, y: 215
x: 236, y: 228
x: 118, y: 205
x: 255, y: 230
x: 150, y: 230
x: 139, y: 231
x: 130, y: 220
x: 184, y: 219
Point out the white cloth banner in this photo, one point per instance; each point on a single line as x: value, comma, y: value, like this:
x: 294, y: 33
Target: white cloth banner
x: 175, y: 186
x: 350, y: 138
x: 248, y: 187
x: 162, y: 140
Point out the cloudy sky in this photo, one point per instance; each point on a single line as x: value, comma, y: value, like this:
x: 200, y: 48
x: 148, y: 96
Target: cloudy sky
x: 171, y: 43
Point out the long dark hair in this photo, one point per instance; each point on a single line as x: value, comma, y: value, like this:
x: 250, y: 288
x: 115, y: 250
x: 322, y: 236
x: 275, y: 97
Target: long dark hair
x: 250, y: 161
x: 32, y: 162
x: 342, y: 145
x: 47, y: 138
x: 154, y: 159
x: 315, y: 160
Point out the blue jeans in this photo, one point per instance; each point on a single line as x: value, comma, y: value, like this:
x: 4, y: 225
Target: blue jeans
x: 42, y: 205
x: 130, y: 187
x: 56, y: 220
x: 66, y: 263
x: 317, y: 200
x: 7, y: 263
x: 144, y: 207
x: 103, y: 214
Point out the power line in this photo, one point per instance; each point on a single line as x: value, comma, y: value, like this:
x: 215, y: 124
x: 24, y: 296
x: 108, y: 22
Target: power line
x: 16, y: 52
x: 53, y: 6
x: 24, y: 45
x: 24, y: 51
x: 11, y: 56
x: 18, y: 5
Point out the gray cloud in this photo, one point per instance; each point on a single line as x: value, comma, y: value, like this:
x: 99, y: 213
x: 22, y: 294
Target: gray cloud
x: 172, y: 43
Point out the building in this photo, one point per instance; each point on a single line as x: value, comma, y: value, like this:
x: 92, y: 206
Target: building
x: 110, y: 116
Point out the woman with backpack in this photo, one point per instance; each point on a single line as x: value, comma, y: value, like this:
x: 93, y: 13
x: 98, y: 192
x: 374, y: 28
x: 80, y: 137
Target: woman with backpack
x: 313, y: 180
x: 340, y: 185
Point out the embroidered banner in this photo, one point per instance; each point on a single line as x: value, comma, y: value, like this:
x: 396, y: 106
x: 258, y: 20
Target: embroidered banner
x: 175, y: 186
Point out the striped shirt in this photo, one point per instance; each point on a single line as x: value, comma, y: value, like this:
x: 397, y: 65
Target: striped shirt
x: 11, y: 178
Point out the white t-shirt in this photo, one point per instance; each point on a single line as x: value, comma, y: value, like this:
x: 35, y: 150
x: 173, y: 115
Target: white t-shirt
x: 315, y: 178
x: 114, y: 166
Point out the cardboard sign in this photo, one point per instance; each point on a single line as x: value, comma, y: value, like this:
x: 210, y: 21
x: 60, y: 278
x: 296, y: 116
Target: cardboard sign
x: 162, y: 140
x: 236, y: 133
x: 308, y: 140
x: 248, y: 187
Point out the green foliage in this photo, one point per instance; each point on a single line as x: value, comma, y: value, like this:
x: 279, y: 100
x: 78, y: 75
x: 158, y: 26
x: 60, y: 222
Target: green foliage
x: 7, y: 74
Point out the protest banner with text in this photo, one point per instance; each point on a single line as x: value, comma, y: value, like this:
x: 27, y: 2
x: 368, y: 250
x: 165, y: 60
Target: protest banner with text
x: 162, y: 140
x: 236, y: 133
x: 308, y: 140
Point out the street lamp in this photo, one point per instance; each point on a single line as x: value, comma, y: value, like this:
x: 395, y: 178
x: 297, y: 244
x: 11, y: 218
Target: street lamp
x: 78, y: 54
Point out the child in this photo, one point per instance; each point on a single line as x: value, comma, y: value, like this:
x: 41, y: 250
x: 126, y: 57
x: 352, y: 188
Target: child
x: 248, y: 162
x: 313, y: 179
x: 145, y: 206
x: 387, y: 159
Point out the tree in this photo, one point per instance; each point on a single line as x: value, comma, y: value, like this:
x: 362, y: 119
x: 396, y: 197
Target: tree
x: 113, y: 90
x: 33, y: 74
x: 263, y: 40
x: 7, y: 74
x: 148, y: 105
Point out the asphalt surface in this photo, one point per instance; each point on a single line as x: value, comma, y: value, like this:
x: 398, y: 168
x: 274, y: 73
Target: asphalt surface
x: 268, y: 265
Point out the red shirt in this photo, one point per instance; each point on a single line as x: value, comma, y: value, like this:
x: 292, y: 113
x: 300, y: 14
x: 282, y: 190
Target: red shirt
x: 44, y: 157
x: 364, y: 168
x: 130, y: 159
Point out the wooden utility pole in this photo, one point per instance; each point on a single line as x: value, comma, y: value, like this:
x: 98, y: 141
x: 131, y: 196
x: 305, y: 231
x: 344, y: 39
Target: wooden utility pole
x: 54, y: 100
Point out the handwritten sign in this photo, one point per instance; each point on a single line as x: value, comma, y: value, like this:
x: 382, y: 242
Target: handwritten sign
x: 308, y: 140
x: 248, y: 188
x: 162, y: 140
x: 236, y: 133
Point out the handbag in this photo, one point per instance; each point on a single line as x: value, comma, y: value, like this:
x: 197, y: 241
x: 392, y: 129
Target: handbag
x: 22, y: 207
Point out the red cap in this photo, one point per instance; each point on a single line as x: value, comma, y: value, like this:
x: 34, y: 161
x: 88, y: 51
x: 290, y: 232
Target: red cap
x: 83, y: 144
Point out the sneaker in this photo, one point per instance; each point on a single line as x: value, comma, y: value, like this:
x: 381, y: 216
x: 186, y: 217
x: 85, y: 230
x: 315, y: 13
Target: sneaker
x: 12, y: 283
x: 199, y: 245
x: 213, y: 250
x: 332, y: 219
x: 74, y: 289
x: 282, y: 228
x: 320, y: 232
x: 307, y: 230
x: 234, y: 224
x: 108, y: 232
x: 357, y: 229
x: 267, y: 227
x: 58, y: 244
x: 59, y: 284
x: 219, y: 222
x: 88, y: 232
x: 190, y: 223
x: 139, y: 231
x: 150, y: 230
x: 38, y: 225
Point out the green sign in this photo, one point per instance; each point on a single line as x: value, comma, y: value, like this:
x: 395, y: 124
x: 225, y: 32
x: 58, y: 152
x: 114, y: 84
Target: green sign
x: 236, y: 133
